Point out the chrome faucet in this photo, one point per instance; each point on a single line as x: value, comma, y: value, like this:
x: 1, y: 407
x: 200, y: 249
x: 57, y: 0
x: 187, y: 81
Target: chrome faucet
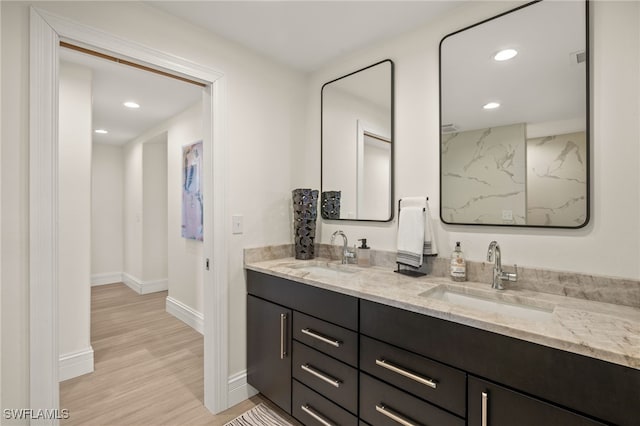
x: 346, y: 253
x: 498, y: 274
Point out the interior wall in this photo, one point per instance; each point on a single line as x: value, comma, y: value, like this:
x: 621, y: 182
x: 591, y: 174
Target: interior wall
x: 154, y: 210
x: 107, y: 209
x: 133, y: 191
x: 15, y: 206
x: 609, y: 245
x: 74, y: 208
x: 185, y: 255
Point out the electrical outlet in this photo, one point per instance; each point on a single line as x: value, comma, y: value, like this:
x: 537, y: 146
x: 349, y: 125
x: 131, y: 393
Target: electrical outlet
x: 236, y: 224
x: 507, y: 214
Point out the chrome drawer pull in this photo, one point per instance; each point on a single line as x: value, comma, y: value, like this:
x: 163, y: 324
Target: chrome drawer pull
x: 313, y: 413
x: 396, y: 417
x: 330, y: 340
x: 485, y: 399
x: 333, y: 382
x: 423, y: 380
x: 283, y: 331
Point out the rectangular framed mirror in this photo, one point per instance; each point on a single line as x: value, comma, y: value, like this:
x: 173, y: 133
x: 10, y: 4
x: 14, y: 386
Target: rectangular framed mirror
x: 514, y: 116
x: 357, y: 145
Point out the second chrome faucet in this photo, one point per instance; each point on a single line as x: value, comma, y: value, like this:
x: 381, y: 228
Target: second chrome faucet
x: 493, y: 253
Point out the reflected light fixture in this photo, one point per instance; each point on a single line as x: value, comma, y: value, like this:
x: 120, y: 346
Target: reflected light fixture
x: 101, y: 131
x: 491, y: 105
x: 130, y: 104
x: 505, y: 55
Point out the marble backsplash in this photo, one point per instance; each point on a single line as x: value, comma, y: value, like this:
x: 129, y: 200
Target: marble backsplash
x: 619, y: 291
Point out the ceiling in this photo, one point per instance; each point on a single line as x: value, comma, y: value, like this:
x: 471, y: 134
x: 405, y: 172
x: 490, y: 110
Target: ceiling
x: 301, y: 34
x: 307, y: 34
x: 543, y: 83
x: 159, y: 97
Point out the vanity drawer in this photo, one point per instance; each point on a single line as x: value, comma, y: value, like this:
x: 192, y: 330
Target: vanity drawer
x: 312, y: 409
x: 384, y: 405
x: 327, y: 376
x: 330, y: 306
x: 427, y: 379
x: 331, y: 339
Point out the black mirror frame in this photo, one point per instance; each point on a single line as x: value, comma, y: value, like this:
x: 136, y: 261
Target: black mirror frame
x: 392, y: 166
x: 587, y: 130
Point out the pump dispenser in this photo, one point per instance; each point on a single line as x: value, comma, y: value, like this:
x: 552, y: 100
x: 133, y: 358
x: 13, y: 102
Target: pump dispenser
x: 363, y: 253
x: 458, y: 264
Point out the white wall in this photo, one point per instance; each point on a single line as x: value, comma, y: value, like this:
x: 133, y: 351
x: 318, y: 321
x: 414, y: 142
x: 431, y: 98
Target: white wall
x: 74, y: 216
x: 15, y: 206
x: 185, y: 255
x: 609, y: 245
x: 154, y: 210
x: 133, y: 191
x: 145, y: 212
x: 107, y: 210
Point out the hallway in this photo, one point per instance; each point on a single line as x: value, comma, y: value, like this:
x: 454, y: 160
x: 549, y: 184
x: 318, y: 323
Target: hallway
x: 148, y: 366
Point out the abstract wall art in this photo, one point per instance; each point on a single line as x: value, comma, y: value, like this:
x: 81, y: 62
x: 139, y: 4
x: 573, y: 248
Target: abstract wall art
x: 192, y: 207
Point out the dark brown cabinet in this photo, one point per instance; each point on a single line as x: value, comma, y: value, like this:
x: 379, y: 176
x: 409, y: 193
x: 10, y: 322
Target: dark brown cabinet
x: 308, y: 362
x: 494, y: 405
x: 269, y: 350
x: 329, y: 358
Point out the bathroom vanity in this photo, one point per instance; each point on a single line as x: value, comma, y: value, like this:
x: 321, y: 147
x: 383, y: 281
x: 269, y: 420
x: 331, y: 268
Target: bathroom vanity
x: 337, y: 345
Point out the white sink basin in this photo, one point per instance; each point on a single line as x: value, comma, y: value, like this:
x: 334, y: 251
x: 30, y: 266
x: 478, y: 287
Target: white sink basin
x: 490, y: 305
x: 328, y: 270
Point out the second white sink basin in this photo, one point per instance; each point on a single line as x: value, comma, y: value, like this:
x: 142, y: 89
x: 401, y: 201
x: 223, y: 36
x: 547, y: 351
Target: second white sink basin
x: 491, y: 305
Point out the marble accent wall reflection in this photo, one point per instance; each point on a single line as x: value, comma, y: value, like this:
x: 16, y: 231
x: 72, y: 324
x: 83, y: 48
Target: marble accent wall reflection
x: 483, y: 176
x: 556, y: 180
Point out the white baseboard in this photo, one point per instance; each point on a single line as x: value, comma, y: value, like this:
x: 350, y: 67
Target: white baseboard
x: 238, y: 389
x: 75, y: 364
x: 108, y: 278
x: 185, y: 314
x: 144, y: 287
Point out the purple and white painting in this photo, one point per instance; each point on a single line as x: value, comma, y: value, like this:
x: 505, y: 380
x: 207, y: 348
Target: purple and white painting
x: 192, y: 191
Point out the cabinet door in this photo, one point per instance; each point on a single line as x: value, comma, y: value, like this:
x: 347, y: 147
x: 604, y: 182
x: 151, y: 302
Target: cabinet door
x: 269, y: 350
x: 493, y: 405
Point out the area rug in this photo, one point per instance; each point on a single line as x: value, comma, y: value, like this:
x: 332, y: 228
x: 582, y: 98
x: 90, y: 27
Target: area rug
x: 260, y: 415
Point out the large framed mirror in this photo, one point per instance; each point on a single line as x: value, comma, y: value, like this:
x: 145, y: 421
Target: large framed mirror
x: 357, y: 145
x: 514, y: 116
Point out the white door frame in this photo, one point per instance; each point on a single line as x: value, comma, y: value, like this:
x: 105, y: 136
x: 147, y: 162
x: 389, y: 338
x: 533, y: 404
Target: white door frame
x: 47, y: 30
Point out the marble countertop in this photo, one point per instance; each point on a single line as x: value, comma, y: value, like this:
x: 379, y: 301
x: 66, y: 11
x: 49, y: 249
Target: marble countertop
x: 595, y: 329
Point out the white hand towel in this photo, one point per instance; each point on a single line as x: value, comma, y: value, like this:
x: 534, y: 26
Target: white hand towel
x: 411, y: 226
x: 430, y: 247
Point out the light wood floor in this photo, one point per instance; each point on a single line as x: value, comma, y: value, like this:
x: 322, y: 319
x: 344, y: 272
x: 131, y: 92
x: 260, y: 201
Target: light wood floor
x: 148, y: 367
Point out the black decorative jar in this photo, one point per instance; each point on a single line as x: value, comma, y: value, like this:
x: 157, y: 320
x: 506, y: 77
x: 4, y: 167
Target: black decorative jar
x: 330, y: 204
x: 305, y: 212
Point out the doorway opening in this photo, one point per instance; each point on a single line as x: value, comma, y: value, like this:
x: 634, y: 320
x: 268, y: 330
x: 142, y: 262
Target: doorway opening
x: 47, y: 30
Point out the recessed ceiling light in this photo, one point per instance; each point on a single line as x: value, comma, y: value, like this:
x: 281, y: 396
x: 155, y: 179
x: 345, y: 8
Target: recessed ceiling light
x: 101, y: 131
x: 505, y: 55
x: 131, y: 104
x: 491, y: 105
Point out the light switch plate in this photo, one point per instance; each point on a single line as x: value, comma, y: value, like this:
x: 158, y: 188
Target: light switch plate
x: 236, y: 224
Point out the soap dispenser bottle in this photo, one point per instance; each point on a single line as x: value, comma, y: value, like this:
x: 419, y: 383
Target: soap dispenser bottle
x: 364, y: 254
x: 458, y: 264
